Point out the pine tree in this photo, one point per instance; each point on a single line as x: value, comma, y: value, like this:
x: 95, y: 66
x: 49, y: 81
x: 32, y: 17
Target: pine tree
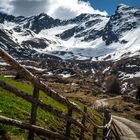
x: 113, y: 85
x: 138, y: 94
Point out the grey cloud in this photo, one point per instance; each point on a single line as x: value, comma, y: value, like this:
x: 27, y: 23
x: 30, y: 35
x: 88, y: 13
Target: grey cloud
x: 63, y: 13
x: 28, y: 7
x: 63, y: 9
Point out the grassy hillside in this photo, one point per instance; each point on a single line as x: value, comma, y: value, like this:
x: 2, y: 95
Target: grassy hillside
x: 15, y: 107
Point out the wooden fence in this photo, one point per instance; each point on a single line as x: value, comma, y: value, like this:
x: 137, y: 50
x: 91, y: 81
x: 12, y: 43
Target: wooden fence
x: 108, y: 133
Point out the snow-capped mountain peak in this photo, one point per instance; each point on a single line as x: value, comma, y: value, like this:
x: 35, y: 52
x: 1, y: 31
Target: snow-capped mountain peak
x: 83, y: 37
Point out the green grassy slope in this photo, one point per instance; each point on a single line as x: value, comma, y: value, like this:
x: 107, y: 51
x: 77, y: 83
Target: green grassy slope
x: 17, y: 108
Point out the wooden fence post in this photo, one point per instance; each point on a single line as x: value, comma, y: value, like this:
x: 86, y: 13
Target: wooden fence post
x: 107, y: 117
x: 115, y: 132
x: 104, y: 129
x: 83, y: 122
x: 94, y: 133
x: 34, y: 109
x: 68, y: 125
x: 110, y: 136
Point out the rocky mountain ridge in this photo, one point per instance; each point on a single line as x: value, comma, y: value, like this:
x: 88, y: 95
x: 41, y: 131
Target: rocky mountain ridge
x: 83, y: 46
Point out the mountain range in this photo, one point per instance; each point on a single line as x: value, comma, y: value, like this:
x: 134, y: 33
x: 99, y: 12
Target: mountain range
x: 91, y: 42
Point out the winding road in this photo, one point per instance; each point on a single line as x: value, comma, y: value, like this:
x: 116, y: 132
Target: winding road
x: 129, y: 130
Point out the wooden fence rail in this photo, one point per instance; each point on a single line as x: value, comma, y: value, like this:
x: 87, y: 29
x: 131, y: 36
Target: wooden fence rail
x: 34, y: 128
x: 34, y: 100
x: 38, y: 103
x: 28, y: 75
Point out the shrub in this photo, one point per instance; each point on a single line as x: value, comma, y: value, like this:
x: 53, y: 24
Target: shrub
x: 113, y: 85
x: 138, y: 94
x: 137, y: 116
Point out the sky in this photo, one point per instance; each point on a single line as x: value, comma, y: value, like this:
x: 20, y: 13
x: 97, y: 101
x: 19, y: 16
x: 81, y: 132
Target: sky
x: 110, y: 5
x: 62, y: 9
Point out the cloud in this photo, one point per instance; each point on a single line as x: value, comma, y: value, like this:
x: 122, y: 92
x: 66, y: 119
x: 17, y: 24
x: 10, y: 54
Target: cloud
x: 70, y: 8
x: 5, y: 6
x: 62, y: 9
x: 28, y: 7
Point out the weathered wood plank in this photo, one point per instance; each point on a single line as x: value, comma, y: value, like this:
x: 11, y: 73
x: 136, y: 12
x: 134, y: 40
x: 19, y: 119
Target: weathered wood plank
x: 68, y: 125
x: 83, y: 122
x: 115, y: 132
x: 115, y: 125
x: 108, y: 135
x: 107, y: 118
x: 94, y: 133
x: 34, y: 128
x: 104, y: 130
x: 34, y: 109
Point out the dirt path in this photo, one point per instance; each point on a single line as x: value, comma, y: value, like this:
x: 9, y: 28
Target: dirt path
x: 104, y: 102
x: 130, y: 130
